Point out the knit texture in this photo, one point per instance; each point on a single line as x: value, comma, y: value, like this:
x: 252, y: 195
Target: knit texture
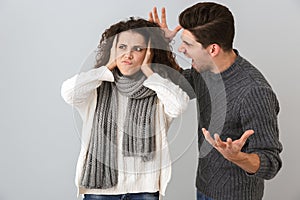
x: 101, y: 167
x: 242, y: 99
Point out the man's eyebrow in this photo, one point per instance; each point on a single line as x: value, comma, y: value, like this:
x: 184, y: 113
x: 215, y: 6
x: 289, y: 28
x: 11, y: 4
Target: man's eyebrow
x: 185, y: 41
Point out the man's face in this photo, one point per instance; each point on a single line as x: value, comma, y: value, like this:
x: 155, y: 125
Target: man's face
x: 201, y: 59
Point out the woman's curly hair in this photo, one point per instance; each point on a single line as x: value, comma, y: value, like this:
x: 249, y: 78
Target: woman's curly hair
x: 160, y: 48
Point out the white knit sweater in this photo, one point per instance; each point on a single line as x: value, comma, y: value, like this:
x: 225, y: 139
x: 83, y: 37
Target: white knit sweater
x: 134, y: 175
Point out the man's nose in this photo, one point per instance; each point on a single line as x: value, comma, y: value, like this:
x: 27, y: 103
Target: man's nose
x: 181, y: 49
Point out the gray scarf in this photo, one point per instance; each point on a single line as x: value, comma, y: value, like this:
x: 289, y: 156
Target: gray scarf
x: 101, y: 167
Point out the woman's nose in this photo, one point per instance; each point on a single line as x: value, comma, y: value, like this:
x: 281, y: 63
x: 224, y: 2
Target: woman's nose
x: 128, y: 54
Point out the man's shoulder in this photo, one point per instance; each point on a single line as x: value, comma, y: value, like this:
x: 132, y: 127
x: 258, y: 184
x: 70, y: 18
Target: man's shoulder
x: 247, y: 80
x: 252, y: 75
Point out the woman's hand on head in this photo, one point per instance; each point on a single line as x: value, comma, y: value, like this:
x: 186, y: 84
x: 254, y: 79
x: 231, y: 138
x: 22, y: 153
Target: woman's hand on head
x: 112, y: 63
x: 146, y: 65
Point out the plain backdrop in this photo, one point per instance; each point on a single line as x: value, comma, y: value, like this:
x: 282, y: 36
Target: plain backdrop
x: 42, y: 43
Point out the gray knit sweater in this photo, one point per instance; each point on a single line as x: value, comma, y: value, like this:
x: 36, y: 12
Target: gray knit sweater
x: 249, y: 103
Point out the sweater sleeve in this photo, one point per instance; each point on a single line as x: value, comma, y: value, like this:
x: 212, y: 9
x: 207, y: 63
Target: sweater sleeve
x: 259, y: 112
x: 76, y: 90
x: 174, y: 99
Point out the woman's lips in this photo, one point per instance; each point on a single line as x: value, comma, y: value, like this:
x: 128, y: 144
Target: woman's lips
x: 127, y: 62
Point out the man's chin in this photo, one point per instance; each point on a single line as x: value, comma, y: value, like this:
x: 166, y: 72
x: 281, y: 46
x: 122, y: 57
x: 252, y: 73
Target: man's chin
x: 198, y: 68
x: 201, y: 68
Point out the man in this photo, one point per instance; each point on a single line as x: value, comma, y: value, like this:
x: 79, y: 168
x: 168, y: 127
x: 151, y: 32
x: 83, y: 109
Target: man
x: 234, y: 100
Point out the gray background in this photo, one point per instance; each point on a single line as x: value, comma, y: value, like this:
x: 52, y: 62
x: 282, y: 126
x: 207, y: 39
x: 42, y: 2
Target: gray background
x: 44, y: 42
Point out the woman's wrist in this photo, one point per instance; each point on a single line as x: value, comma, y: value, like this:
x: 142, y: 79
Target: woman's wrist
x: 147, y: 71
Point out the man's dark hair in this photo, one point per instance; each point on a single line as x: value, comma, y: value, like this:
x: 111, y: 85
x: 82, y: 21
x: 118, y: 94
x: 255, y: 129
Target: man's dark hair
x: 210, y: 23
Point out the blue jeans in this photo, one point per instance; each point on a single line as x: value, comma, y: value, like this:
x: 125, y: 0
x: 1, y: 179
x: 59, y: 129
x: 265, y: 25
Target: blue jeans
x: 201, y: 196
x: 128, y: 196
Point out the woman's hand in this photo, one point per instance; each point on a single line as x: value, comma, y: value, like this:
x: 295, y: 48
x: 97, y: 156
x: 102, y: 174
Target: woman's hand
x: 112, y: 58
x: 146, y: 65
x: 169, y: 34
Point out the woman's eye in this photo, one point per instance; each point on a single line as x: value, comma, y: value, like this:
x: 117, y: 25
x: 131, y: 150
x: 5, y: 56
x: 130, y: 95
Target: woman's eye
x: 122, y: 47
x: 139, y: 49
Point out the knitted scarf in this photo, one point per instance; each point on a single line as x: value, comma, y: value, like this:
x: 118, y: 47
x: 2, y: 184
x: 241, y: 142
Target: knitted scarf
x: 100, y: 170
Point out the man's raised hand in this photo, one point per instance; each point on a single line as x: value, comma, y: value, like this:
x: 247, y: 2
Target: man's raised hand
x: 153, y: 17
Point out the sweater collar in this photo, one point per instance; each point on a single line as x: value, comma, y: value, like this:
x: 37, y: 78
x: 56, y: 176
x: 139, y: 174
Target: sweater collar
x: 225, y: 74
x: 228, y: 72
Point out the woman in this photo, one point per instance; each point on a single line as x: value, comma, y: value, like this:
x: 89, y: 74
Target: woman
x: 126, y: 108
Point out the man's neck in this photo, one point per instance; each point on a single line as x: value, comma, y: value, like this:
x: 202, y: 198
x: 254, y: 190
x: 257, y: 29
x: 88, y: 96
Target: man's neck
x: 223, y: 61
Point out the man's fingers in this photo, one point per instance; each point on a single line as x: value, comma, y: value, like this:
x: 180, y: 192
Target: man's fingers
x: 156, y: 19
x: 218, y: 141
x: 229, y: 143
x: 150, y: 17
x: 246, y: 135
x: 178, y: 28
x: 208, y: 137
x: 163, y: 17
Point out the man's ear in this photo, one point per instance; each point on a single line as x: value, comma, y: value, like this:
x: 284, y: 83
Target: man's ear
x: 214, y: 50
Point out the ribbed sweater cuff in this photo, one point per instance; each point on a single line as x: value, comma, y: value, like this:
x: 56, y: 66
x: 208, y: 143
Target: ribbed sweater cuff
x: 264, y: 167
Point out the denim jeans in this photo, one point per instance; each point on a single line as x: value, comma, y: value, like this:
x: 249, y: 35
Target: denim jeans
x: 128, y: 196
x: 201, y: 196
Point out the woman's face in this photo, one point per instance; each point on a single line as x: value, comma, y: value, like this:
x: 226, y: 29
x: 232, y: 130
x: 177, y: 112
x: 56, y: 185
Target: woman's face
x: 130, y: 51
